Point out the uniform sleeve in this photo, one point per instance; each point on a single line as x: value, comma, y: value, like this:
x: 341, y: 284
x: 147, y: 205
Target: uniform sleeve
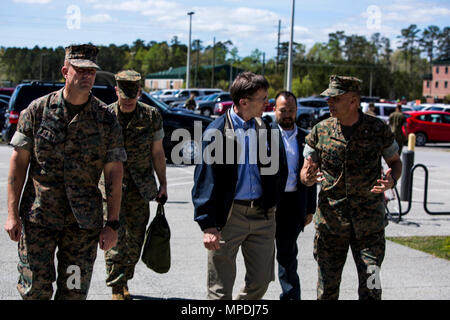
x: 390, y: 146
x: 23, y: 137
x: 157, y: 126
x: 309, y: 150
x: 115, y: 148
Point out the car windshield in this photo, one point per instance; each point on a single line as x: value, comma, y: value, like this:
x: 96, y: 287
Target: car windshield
x: 154, y: 102
x: 212, y: 97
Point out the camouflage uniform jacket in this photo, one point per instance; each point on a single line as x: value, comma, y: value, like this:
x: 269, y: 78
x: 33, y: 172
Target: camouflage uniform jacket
x: 351, y: 168
x: 67, y: 159
x: 145, y: 127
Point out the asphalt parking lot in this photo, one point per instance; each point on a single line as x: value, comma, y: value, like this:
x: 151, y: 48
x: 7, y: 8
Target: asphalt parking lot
x: 406, y: 273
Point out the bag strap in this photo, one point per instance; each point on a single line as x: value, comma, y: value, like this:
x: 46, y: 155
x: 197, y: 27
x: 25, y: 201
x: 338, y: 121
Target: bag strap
x: 160, y: 209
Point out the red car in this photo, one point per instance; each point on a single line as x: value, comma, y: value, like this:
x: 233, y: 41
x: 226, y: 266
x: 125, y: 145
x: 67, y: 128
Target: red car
x: 428, y: 126
x: 222, y: 107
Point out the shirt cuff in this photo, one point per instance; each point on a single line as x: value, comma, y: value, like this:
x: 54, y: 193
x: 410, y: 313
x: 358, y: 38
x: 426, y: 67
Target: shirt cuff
x: 116, y: 154
x: 158, y: 135
x: 19, y: 140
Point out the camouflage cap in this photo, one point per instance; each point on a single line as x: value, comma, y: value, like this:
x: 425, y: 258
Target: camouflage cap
x: 128, y: 83
x: 342, y: 84
x: 82, y: 56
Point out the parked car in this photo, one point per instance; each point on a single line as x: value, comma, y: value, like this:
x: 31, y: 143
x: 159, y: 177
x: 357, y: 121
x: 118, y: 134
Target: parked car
x: 312, y: 106
x: 437, y: 107
x: 184, y: 94
x: 206, y: 107
x: 24, y: 93
x: 3, y: 108
x: 166, y: 94
x: 303, y: 118
x: 383, y: 110
x: 5, y: 97
x: 176, y: 119
x: 428, y: 126
x: 222, y: 107
x: 172, y: 120
x: 6, y: 91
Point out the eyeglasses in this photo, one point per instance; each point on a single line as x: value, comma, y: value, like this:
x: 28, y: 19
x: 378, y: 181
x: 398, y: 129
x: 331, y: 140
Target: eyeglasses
x: 88, y: 71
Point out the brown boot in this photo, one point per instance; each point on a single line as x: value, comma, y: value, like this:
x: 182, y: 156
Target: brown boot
x: 117, y: 293
x: 126, y: 293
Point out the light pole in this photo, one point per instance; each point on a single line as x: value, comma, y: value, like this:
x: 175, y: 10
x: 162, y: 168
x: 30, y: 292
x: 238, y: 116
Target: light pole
x: 40, y: 66
x: 289, y: 69
x: 188, y: 64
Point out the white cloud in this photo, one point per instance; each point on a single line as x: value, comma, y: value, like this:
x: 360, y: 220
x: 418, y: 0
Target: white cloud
x: 97, y: 18
x: 33, y: 1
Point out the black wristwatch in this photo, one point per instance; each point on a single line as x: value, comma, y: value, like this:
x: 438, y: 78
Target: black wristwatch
x: 113, y: 224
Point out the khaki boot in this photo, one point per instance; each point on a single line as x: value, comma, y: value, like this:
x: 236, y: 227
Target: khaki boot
x: 117, y: 293
x: 126, y: 293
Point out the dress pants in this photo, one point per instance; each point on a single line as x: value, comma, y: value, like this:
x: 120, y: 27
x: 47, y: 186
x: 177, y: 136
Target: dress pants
x: 254, y: 232
x: 289, y: 225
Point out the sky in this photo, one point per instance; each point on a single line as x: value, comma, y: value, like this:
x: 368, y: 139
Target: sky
x: 249, y: 24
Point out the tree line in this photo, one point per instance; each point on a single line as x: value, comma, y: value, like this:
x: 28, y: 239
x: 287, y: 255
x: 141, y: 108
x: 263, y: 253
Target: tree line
x: 386, y: 71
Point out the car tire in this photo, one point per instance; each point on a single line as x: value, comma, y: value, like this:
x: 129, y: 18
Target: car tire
x: 206, y: 112
x: 189, y: 151
x: 304, y: 122
x: 421, y: 139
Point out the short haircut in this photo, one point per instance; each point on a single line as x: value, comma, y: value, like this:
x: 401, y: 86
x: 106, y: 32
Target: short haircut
x: 286, y: 95
x: 247, y: 84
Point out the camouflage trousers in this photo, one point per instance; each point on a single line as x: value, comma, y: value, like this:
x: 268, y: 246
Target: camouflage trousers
x: 77, y: 251
x: 330, y: 252
x: 122, y: 259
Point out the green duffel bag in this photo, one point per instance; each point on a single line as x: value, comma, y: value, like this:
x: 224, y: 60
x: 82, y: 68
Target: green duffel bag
x: 156, y: 251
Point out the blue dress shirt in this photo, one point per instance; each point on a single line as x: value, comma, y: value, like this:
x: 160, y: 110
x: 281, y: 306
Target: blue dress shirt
x: 248, y: 185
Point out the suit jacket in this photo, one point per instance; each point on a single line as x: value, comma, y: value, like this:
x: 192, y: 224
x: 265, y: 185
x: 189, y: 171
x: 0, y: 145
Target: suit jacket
x: 215, y: 184
x: 307, y: 196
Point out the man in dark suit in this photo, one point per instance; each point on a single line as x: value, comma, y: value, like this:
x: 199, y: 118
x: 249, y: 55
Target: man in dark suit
x: 298, y: 202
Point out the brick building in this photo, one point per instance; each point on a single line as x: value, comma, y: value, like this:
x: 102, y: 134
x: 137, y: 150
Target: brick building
x: 436, y: 86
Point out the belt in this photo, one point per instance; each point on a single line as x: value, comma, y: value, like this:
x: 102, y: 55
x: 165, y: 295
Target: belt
x: 249, y: 203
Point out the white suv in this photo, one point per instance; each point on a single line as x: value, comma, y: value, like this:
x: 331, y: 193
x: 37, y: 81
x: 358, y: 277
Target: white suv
x: 383, y: 110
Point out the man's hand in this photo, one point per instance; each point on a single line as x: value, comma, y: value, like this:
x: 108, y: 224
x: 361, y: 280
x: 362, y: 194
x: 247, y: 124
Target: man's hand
x: 310, y: 173
x: 161, y: 197
x: 13, y: 226
x: 211, y: 238
x: 385, y: 184
x: 308, y: 219
x: 108, y: 238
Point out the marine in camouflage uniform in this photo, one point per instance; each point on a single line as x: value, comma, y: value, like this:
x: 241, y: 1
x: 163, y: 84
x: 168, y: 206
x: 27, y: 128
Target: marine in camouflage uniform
x: 396, y: 121
x: 350, y: 210
x: 143, y: 132
x: 67, y: 147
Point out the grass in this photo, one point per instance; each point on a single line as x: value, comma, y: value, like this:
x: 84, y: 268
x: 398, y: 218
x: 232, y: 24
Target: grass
x: 438, y: 246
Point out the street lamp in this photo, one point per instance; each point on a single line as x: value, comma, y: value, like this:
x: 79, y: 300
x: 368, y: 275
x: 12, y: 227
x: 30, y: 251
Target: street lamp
x: 289, y: 69
x: 40, y: 66
x: 188, y: 64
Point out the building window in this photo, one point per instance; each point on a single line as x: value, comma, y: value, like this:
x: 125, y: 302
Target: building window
x: 445, y: 84
x: 428, y: 84
x: 446, y: 70
x: 437, y: 69
x: 436, y: 84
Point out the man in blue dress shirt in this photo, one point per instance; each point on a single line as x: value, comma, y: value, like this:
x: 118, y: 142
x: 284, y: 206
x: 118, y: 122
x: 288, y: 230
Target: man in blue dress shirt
x: 235, y: 202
